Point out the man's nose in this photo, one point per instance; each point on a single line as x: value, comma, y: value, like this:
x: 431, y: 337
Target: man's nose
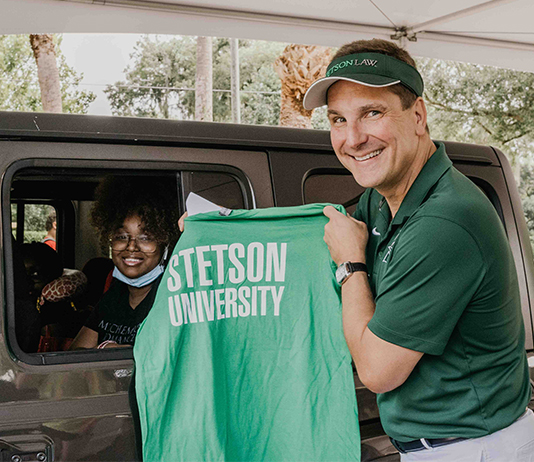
x: 356, y: 135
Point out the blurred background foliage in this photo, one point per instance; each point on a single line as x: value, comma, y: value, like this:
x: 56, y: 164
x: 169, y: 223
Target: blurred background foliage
x: 466, y: 102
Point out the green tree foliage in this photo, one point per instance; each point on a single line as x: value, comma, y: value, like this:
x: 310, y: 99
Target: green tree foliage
x: 19, y: 85
x: 157, y: 66
x: 526, y: 192
x: 489, y: 106
x: 479, y: 104
x: 35, y: 216
x: 161, y: 67
x: 19, y: 88
x: 260, y: 101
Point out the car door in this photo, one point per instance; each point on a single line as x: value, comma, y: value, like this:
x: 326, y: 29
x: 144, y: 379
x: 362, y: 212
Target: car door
x: 73, y: 405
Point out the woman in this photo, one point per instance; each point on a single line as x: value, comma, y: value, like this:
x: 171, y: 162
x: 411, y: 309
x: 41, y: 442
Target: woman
x: 137, y: 218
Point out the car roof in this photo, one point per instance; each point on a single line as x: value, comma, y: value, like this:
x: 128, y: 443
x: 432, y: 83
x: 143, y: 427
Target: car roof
x: 138, y: 131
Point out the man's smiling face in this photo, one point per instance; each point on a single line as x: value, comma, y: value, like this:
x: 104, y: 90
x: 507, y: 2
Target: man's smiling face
x: 374, y: 137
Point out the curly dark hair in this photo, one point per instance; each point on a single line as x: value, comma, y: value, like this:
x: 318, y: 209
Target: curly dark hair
x: 154, y: 199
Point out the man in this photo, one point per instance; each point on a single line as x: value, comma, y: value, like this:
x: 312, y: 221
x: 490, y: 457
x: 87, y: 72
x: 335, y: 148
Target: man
x: 431, y: 308
x: 51, y: 230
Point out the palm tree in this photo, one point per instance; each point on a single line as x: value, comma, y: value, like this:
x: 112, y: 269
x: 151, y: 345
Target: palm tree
x: 44, y: 52
x: 298, y: 67
x: 204, y: 80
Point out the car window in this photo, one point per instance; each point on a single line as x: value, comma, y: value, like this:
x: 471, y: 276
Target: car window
x: 44, y: 316
x: 220, y: 188
x: 33, y: 222
x: 336, y: 186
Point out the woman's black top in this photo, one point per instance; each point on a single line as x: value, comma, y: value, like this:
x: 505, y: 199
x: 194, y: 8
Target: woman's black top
x: 114, y: 319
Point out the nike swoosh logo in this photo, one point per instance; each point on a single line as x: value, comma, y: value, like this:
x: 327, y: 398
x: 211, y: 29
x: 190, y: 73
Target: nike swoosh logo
x: 375, y: 232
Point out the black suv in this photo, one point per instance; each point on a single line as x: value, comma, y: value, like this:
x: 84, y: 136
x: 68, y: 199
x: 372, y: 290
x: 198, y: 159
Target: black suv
x: 68, y: 406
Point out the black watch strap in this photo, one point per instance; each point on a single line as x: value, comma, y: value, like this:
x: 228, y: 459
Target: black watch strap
x: 354, y: 267
x: 347, y: 268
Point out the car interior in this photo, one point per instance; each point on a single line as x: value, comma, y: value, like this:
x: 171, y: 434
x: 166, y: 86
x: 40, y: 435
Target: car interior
x: 52, y: 304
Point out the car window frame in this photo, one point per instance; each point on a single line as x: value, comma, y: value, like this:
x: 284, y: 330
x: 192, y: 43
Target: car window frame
x: 107, y: 166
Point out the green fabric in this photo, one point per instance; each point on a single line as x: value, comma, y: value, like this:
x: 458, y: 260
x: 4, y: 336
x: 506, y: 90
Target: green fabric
x: 264, y: 381
x: 376, y: 69
x: 445, y: 284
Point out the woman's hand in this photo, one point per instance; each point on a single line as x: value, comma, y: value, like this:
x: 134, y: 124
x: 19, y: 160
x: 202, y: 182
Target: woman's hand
x: 181, y: 221
x: 112, y: 344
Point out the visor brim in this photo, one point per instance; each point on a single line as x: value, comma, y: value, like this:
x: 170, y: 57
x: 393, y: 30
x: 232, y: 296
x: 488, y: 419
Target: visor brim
x: 316, y: 94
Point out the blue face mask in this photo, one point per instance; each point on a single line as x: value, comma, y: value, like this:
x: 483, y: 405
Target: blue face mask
x: 145, y: 279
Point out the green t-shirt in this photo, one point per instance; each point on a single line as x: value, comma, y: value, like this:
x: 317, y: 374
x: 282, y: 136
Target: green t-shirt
x: 445, y: 284
x: 242, y: 357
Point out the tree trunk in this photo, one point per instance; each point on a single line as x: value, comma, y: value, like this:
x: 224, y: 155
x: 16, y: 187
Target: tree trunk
x: 234, y: 81
x: 45, y: 57
x: 204, y: 80
x: 298, y: 67
x: 292, y: 113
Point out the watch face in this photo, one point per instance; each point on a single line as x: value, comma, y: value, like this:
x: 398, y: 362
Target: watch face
x: 341, y: 273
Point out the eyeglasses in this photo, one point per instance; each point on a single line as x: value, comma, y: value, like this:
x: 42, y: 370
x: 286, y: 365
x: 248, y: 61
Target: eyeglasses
x: 144, y: 243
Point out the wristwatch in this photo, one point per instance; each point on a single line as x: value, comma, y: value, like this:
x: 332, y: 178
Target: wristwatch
x: 347, y: 268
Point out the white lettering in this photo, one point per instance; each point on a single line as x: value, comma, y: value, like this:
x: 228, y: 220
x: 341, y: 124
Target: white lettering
x: 273, y: 261
x: 188, y: 267
x: 254, y: 301
x: 174, y: 282
x: 220, y: 261
x: 175, y: 311
x: 202, y: 265
x: 200, y: 312
x: 255, y: 262
x: 188, y: 307
x: 200, y: 306
x: 277, y: 297
x: 244, y: 293
x: 219, y: 303
x: 230, y: 300
x: 264, y: 290
x: 209, y: 305
x: 237, y: 274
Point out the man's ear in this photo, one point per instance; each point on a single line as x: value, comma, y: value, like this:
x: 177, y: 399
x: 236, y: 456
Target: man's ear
x: 54, y: 225
x: 420, y: 115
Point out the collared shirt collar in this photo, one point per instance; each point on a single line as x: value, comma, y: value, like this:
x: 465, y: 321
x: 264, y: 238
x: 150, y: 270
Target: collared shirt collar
x: 431, y: 172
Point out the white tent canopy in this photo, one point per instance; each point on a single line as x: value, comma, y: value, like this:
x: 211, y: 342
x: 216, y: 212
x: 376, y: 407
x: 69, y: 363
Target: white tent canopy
x: 494, y: 32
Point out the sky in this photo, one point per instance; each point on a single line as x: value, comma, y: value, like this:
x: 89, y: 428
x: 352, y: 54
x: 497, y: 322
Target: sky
x: 101, y: 58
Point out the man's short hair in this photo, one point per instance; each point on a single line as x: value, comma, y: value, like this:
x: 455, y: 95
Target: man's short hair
x: 51, y: 219
x: 384, y: 47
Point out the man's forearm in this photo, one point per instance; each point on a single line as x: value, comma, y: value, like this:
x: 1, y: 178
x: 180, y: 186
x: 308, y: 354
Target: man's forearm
x: 358, y: 309
x: 381, y: 366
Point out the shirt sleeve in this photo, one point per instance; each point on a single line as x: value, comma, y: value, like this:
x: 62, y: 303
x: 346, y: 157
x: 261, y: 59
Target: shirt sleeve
x: 432, y: 273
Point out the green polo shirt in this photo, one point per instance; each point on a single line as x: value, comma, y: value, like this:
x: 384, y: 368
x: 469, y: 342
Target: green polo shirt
x: 445, y: 284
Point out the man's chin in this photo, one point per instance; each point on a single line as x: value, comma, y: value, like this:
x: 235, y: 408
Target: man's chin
x: 364, y: 182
